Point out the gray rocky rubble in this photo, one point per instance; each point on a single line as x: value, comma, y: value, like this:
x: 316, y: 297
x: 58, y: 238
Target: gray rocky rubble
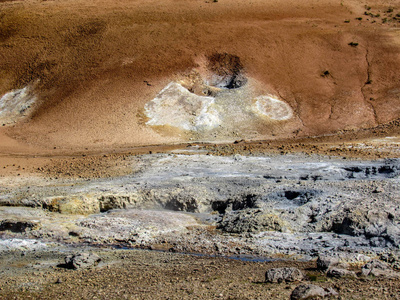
x: 293, y: 205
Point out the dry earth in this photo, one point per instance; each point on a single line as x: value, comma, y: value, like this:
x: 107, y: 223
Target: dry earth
x: 94, y: 66
x: 151, y: 275
x: 92, y: 92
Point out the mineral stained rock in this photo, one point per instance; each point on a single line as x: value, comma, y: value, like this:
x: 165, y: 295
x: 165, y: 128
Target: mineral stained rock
x: 251, y: 220
x: 80, y: 204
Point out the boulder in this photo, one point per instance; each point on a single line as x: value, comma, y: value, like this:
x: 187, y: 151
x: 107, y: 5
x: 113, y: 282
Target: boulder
x: 82, y: 261
x: 311, y: 291
x: 325, y: 262
x: 283, y: 274
x: 339, y: 273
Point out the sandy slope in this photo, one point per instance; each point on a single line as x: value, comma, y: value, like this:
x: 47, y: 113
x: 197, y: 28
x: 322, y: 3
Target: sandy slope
x: 98, y: 63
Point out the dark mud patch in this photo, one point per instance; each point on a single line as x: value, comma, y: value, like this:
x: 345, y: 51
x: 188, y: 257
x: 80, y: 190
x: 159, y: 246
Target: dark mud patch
x: 227, y: 69
x: 17, y: 226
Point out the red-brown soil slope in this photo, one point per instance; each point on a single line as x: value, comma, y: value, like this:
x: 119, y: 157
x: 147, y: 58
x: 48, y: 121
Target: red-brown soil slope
x: 95, y: 64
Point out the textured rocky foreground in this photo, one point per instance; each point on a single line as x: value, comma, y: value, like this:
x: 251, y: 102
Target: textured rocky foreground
x: 296, y: 225
x: 294, y: 206
x: 127, y: 274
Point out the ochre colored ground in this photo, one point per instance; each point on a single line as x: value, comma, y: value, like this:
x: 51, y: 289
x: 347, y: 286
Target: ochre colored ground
x: 96, y: 63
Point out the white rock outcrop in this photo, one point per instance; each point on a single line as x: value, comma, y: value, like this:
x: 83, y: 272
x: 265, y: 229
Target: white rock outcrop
x: 177, y: 107
x: 16, y: 104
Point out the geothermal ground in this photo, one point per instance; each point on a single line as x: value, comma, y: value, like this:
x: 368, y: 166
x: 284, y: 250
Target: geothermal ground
x: 180, y: 149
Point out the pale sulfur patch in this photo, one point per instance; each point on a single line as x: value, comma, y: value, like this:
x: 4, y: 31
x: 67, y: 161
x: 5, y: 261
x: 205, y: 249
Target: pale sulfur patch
x: 272, y: 108
x: 16, y: 104
x: 20, y: 244
x: 175, y: 106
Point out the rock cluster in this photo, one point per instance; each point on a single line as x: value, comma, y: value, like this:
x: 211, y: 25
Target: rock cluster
x: 378, y: 268
x: 278, y: 275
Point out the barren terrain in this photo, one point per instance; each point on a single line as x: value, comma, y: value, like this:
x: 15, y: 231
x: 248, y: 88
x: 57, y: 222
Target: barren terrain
x: 228, y: 137
x: 92, y: 67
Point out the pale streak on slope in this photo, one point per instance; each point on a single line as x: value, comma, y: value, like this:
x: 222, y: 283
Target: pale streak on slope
x: 16, y: 104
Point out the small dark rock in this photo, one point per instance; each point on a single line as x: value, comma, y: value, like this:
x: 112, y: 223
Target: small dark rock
x: 378, y: 190
x: 325, y: 73
x: 353, y: 44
